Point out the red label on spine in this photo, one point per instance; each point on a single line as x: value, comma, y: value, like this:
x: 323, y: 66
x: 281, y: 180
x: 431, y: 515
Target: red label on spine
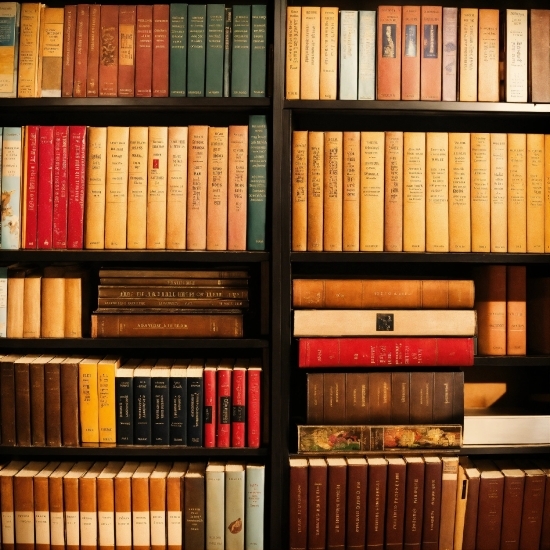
x: 60, y: 184
x: 253, y: 408
x: 32, y: 186
x: 45, y: 187
x: 77, y: 179
x: 224, y: 408
x: 210, y: 407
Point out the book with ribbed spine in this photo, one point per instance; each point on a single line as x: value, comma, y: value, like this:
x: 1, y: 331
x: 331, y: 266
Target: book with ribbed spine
x: 81, y: 50
x: 69, y: 42
x: 109, y: 47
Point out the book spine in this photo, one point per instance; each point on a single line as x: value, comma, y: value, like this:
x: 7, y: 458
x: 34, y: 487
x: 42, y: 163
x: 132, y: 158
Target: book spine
x: 52, y: 391
x: 141, y: 513
x: 60, y: 187
x: 178, y: 50
x: 253, y: 411
x: 108, y: 58
x: 126, y: 51
x: 376, y: 499
x: 414, y: 191
x: 45, y: 187
x: 535, y: 193
x: 107, y: 402
x: 489, y: 518
x: 351, y: 145
x: 333, y: 187
x: 69, y: 404
x: 106, y: 513
x: 357, y: 391
x: 317, y: 503
x: 238, y: 408
x: 516, y: 45
x: 144, y: 51
x: 77, y: 184
x: 395, y: 503
x: 449, y: 482
x: 81, y: 50
x: 430, y: 60
x: 94, y: 47
x: 31, y: 178
x: 450, y: 54
x: 69, y: 41
x: 432, y: 503
x: 138, y: 147
x: 388, y: 60
x: 27, y: 82
x: 421, y: 397
x: 178, y: 411
x: 123, y: 513
x: 176, y: 188
x: 196, y: 50
x: 3, y: 301
x: 410, y: 53
x: 143, y: 434
x: 22, y: 404
x: 88, y: 402
x: 174, y: 512
x: 195, y: 416
x: 315, y: 398
x: 310, y: 52
x: 124, y: 399
x: 254, y: 506
x: 240, y: 51
x: 443, y: 397
x: 481, y: 192
x: 293, y: 50
x: 468, y: 54
x: 210, y: 413
x: 393, y: 200
x: 157, y: 173
x: 460, y: 232
x: 194, y: 510
x: 160, y: 399
x: 217, y: 188
x: 516, y: 310
x: 414, y: 505
x: 224, y: 408
x: 11, y: 188
x: 488, y: 66
x: 348, y: 54
x: 258, y: 50
x: 161, y: 50
x: 315, y: 196
x: 237, y: 187
x: 366, y: 85
x: 299, y: 190
x: 400, y: 397
x: 336, y: 505
x: 380, y: 398
x: 499, y: 193
x: 52, y: 51
x: 215, y: 20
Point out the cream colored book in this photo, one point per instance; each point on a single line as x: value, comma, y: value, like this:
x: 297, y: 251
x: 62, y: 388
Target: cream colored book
x: 393, y: 192
x: 332, y: 192
x: 481, y: 191
x: 547, y: 193
x: 51, y: 48
x: 87, y: 494
x: 516, y: 42
x: 535, y: 193
x: 176, y: 191
x: 75, y: 304
x: 237, y: 187
x: 141, y: 519
x: 138, y: 146
x: 29, y: 43
x: 157, y: 171
x: 517, y: 193
x: 157, y: 504
x: 315, y: 193
x: 459, y: 192
x: 293, y: 45
x: 414, y: 192
x: 215, y: 501
x: 15, y: 304
x: 53, y: 303
x: 106, y: 505
x: 106, y: 372
x: 299, y: 189
x: 449, y: 483
x: 468, y: 40
x: 235, y: 520
x: 499, y: 193
x: 351, y: 188
x: 329, y: 53
x: 310, y: 55
x: 32, y: 301
x: 488, y: 60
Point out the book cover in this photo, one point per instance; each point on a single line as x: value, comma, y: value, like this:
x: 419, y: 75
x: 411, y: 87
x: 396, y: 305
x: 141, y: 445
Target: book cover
x: 333, y: 192
x: 157, y: 173
x: 196, y: 50
x: 254, y: 404
x: 30, y: 187
x: 138, y: 147
x: 460, y: 204
x: 469, y: 29
x: 336, y: 502
x: 393, y: 198
x: 293, y: 51
x: 258, y: 50
x: 414, y: 503
x: 328, y: 77
x: 106, y: 373
x: 210, y: 402
x: 143, y: 434
x: 157, y: 504
x: 499, y: 192
x: 376, y: 501
x: 351, y: 174
x: 366, y: 86
x: 535, y: 193
x: 215, y: 20
x: 105, y: 484
x: 76, y: 187
x: 124, y: 402
x: 109, y: 51
x: 481, y: 192
x: 388, y: 57
x: 81, y: 50
x: 51, y: 47
x: 254, y: 505
x: 488, y: 65
x: 29, y: 49
x: 348, y: 54
x: 238, y: 403
x: 69, y: 43
x: 410, y: 53
x: 516, y: 50
x: 60, y: 187
x: 309, y: 52
x: 144, y: 51
x: 161, y: 50
x: 123, y: 506
x: 224, y: 405
x: 237, y: 187
x: 298, y: 502
x: 317, y: 502
x: 141, y: 502
x: 94, y: 47
x: 194, y: 506
x: 450, y: 54
x: 11, y: 188
x: 174, y: 506
x: 235, y: 519
x: 414, y: 191
x: 315, y: 196
x: 195, y: 403
x: 431, y: 59
x: 178, y: 50
x: 126, y: 51
x: 178, y: 403
x: 299, y: 189
x: 432, y: 502
x: 215, y: 502
x: 197, y: 185
x: 395, y: 502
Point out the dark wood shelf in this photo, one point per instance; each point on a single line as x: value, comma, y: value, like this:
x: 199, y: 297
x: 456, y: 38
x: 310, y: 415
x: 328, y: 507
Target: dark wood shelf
x: 495, y: 361
x: 504, y: 449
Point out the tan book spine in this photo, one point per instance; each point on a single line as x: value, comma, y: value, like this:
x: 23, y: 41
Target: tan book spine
x: 141, y: 522
x: 535, y: 193
x: 56, y: 534
x: 126, y: 50
x: 157, y: 506
x: 315, y: 193
x: 74, y: 298
x: 517, y: 193
x: 94, y: 219
x: 414, y: 191
x: 351, y: 189
x: 333, y: 186
x: 468, y: 54
x: 71, y: 503
x: 123, y: 506
x: 53, y: 307
x: 31, y: 306
x: 116, y: 187
x: 94, y: 38
x: 539, y: 55
x: 449, y: 482
x: 157, y: 170
x: 393, y: 196
x: 216, y: 193
x: 388, y: 57
x: 516, y: 42
x: 176, y: 192
x: 15, y: 312
x: 488, y: 64
x: 310, y: 57
x: 329, y: 53
x: 138, y: 145
x: 547, y: 193
x: 459, y: 192
x: 437, y: 192
x: 410, y: 55
x: 196, y: 187
x: 237, y: 187
x: 499, y: 192
x: 299, y: 189
x: 293, y: 45
x: 88, y: 400
x: 51, y: 48
x: 516, y: 310
x: 481, y: 192
x: 430, y: 62
x: 29, y: 41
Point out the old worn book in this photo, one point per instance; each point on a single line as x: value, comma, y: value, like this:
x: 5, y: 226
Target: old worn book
x: 71, y: 504
x: 176, y: 188
x: 88, y: 400
x: 499, y: 192
x: 431, y: 58
x: 357, y: 392
x: 144, y: 51
x: 174, y: 506
x: 237, y: 187
x: 481, y: 191
x: 157, y: 172
x: 395, y: 502
x: 539, y: 55
x: 414, y: 502
x: 293, y: 50
x: 298, y: 503
x: 488, y: 65
x: 535, y: 193
x: 473, y: 477
x: 81, y: 50
x: 432, y: 502
x: 76, y: 192
x: 215, y: 502
x: 15, y: 302
x: 315, y: 186
x: 489, y: 513
x: 42, y: 539
x: 348, y: 54
x: 161, y: 50
x: 141, y: 494
x: 516, y: 310
x: 334, y: 398
x: 410, y: 53
x: 56, y: 528
x: 60, y: 187
x: 393, y: 198
x: 51, y: 47
x: 32, y: 290
x: 414, y: 191
x: 194, y: 506
x: 87, y: 496
x: 468, y: 74
x: 53, y: 303
x: 38, y: 399
x: 329, y: 53
x: 69, y: 389
x: 449, y: 482
x: 459, y: 192
x: 317, y: 502
x: 22, y: 400
x: 7, y: 475
x: 450, y: 55
x: 310, y: 50
x: 240, y: 51
x: 379, y: 398
x: 516, y: 47
x: 138, y: 147
x: 517, y: 193
x: 388, y: 60
x: 315, y: 398
x: 215, y: 20
x: 52, y: 393
x: 94, y: 47
x: 157, y: 504
x: 351, y: 173
x: 333, y: 189
x: 69, y: 42
x: 178, y: 50
x: 108, y: 58
x: 105, y: 487
x: 421, y: 407
x: 336, y: 503
x: 533, y: 504
x: 123, y: 506
x: 29, y: 43
x: 11, y: 12
x: 299, y: 189
x: 12, y: 170
x: 106, y: 372
x: 376, y: 501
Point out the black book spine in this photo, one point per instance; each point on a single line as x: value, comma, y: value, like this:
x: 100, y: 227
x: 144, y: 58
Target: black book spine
x: 142, y: 410
x: 160, y: 398
x: 124, y: 395
x: 178, y: 410
x: 195, y: 404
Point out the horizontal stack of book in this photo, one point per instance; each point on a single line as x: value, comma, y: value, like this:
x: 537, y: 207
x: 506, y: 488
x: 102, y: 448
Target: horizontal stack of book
x: 429, y: 53
x: 170, y: 303
x: 420, y: 192
x: 161, y: 50
x: 418, y: 502
x: 195, y: 188
x: 50, y: 400
x: 133, y: 504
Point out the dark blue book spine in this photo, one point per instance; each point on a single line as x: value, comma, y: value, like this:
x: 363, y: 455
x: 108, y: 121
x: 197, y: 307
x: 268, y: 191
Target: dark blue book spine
x: 178, y: 411
x: 195, y: 404
x: 124, y: 395
x: 142, y: 410
x: 160, y: 397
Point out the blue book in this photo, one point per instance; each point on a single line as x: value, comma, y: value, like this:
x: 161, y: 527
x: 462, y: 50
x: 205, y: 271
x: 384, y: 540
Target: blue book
x: 196, y: 49
x: 178, y: 50
x: 348, y: 58
x: 258, y: 50
x: 367, y: 54
x: 11, y: 188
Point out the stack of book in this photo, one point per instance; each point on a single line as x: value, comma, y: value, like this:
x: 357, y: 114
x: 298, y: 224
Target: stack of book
x: 134, y: 504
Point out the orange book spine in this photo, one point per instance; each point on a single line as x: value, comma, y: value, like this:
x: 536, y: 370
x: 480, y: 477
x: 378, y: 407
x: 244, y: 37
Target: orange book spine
x: 237, y: 187
x: 430, y: 61
x: 410, y: 55
x: 517, y: 193
x: 351, y: 181
x: 332, y: 200
x: 516, y: 310
x: 393, y: 202
x: 299, y: 190
x: 315, y: 195
x: 535, y: 193
x: 388, y: 60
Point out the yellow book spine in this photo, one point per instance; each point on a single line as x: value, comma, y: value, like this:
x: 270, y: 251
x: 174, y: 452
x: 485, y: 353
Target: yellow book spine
x: 459, y: 192
x: 157, y: 170
x: 106, y: 370
x: 437, y: 192
x: 517, y: 193
x: 216, y: 211
x: 414, y: 192
x: 351, y: 188
x: 29, y: 41
x: 310, y: 52
x: 547, y: 193
x: 393, y: 199
x: 237, y: 187
x: 535, y: 193
x: 138, y: 145
x: 315, y: 194
x: 481, y: 192
x: 329, y: 53
x: 499, y: 193
x: 299, y: 190
x: 52, y: 51
x: 333, y: 186
x: 488, y: 50
x: 293, y: 44
x: 88, y: 401
x: 176, y: 192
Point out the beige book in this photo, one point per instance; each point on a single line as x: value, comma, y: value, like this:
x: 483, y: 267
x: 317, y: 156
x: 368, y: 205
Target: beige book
x: 7, y: 475
x: 31, y: 305
x: 481, y: 191
x: 488, y: 64
x: 75, y: 299
x: 176, y: 190
x: 329, y: 53
x: 53, y: 303
x: 393, y: 192
x: 449, y: 482
x: 94, y: 218
x: 468, y: 41
x: 215, y: 501
x: 293, y: 44
x: 10, y: 13
x: 106, y: 371
x: 106, y: 505
x: 351, y: 190
x: 414, y: 192
x: 138, y: 146
x: 461, y: 502
x: 437, y: 192
x: 71, y: 501
x: 157, y: 505
x: 459, y: 192
x: 332, y: 192
x: 234, y: 505
x: 499, y: 193
x: 299, y: 189
x: 88, y: 400
x: 157, y: 171
x: 315, y: 193
x: 197, y: 165
x: 547, y: 193
x: 116, y: 187
x: 141, y: 520
x: 56, y: 535
x: 16, y: 301
x: 24, y: 183
x: 310, y: 56
x: 517, y: 193
x: 123, y: 506
x: 174, y: 506
x: 42, y: 507
x: 516, y: 42
x: 535, y: 193
x: 29, y: 43
x: 87, y: 496
x: 216, y: 191
x: 237, y: 187
x: 51, y: 48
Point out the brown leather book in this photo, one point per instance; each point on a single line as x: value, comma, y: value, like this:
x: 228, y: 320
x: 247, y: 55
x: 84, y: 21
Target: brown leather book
x: 376, y: 502
x: 380, y: 398
x: 194, y: 505
x: 38, y: 399
x: 315, y: 398
x: 126, y: 50
x: 388, y: 57
x: 68, y: 379
x: 23, y: 399
x: 533, y: 505
x: 317, y: 503
x: 42, y: 536
x: 410, y: 53
x: 81, y: 50
x: 123, y: 506
x: 473, y: 475
x: 400, y: 397
x: 443, y: 397
x: 449, y: 482
x: 69, y: 40
x: 105, y: 485
x: 174, y: 505
x: 298, y: 504
x: 52, y: 393
x: 71, y: 504
x: 393, y: 199
x: 334, y: 398
x: 108, y: 55
x: 395, y: 504
x: 336, y: 503
x: 161, y: 49
x: 516, y: 310
x: 432, y: 503
x: 94, y: 47
x: 357, y: 393
x: 489, y: 514
x: 56, y: 537
x: 7, y: 475
x: 7, y: 403
x: 414, y: 503
x: 141, y: 520
x: 157, y: 505
x: 458, y: 398
x: 430, y: 60
x: 351, y: 170
x: 544, y: 465
x: 356, y: 522
x: 539, y: 57
x: 421, y: 397
x: 144, y: 50
x: 87, y: 495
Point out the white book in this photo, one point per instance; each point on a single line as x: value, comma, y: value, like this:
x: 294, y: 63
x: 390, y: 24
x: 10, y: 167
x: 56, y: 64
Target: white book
x: 215, y: 499
x: 516, y: 56
x: 348, y: 58
x: 234, y: 506
x: 255, y: 499
x: 11, y: 188
x: 367, y: 54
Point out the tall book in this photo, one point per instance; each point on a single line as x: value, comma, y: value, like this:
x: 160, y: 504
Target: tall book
x: 488, y: 65
x: 42, y: 538
x: 376, y: 501
x: 514, y: 486
x: 414, y: 192
x: 517, y: 193
x: 393, y: 185
x: 106, y: 373
x: 194, y: 506
x: 414, y: 505
x: 142, y: 403
x: 293, y: 51
x: 336, y: 502
x: 11, y: 188
x: 81, y: 50
x: 348, y: 54
x: 51, y: 47
x: 317, y: 502
x: 351, y: 168
x: 197, y: 166
x: 176, y: 188
x: 224, y: 406
x: 157, y: 171
x: 240, y: 51
x: 71, y: 502
x: 430, y: 60
x: 329, y: 53
x: 174, y: 506
x: 161, y: 50
x: 105, y: 484
x: 299, y: 189
x: 499, y: 192
x: 395, y: 502
x: 432, y: 502
x: 138, y: 147
x: 126, y: 51
x: 235, y: 519
x: 178, y: 50
x: 144, y: 51
x: 459, y: 192
x: 87, y: 495
x: 30, y: 186
x: 449, y: 482
x: 315, y: 195
x: 60, y: 187
x: 516, y: 46
x: 516, y: 310
x: 450, y: 54
x: 310, y: 52
x: 77, y: 183
x: 333, y: 188
x: 481, y: 191
x: 29, y: 43
x: 298, y: 503
x: 237, y: 187
x: 410, y: 53
x: 366, y: 87
x: 108, y: 58
x: 388, y: 60
x: 539, y: 55
x: 160, y: 401
x: 44, y: 231
x: 489, y: 513
x: 124, y: 402
x: 210, y: 401
x: 469, y: 28
x: 157, y: 504
x: 94, y: 46
x: 178, y: 403
x: 89, y: 400
x: 123, y: 506
x: 215, y: 18
x: 254, y: 505
x: 215, y: 502
x: 195, y: 403
x: 141, y: 499
x: 69, y: 42
x: 196, y: 49
x: 535, y: 193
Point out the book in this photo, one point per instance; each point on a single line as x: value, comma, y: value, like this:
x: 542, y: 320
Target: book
x: 432, y: 501
x: 157, y: 172
x: 393, y: 199
x: 52, y: 401
x: 126, y: 51
x: 449, y: 59
x: 227, y: 39
x: 69, y: 43
x: 356, y: 524
x: 157, y: 504
x: 11, y: 188
x: 333, y: 192
x: 539, y: 58
x: 106, y: 373
x: 488, y: 64
x: 51, y: 47
x: 315, y: 196
x: 124, y: 402
x: 473, y: 476
x: 105, y: 484
x: 215, y: 19
x: 174, y: 505
x: 87, y: 495
x: 161, y: 50
x: 44, y: 229
x: 215, y: 502
x: 410, y: 53
x: 29, y: 43
x: 138, y: 148
x: 22, y: 401
x: 395, y: 501
x: 449, y: 483
x: 196, y: 49
x: 144, y: 51
x: 481, y: 192
x: 469, y: 29
x: 141, y: 499
x: 178, y: 50
x: 514, y: 485
x: 123, y: 505
x: 30, y: 187
x: 388, y: 60
x: 224, y: 406
x: 254, y: 404
x: 176, y: 188
x: 108, y: 58
x: 160, y: 399
x: 89, y: 400
x: 237, y: 187
x: 293, y: 51
x: 71, y: 503
x: 310, y: 49
x: 489, y: 514
x: 235, y: 519
x: 533, y: 504
x: 329, y: 53
x: 366, y: 85
x: 535, y: 193
x: 348, y: 62
x: 195, y: 403
x: 42, y: 506
x: 298, y: 502
x: 254, y: 505
x: 430, y: 60
x: 69, y: 390
x: 94, y: 46
x: 299, y: 189
x: 336, y: 502
x: 317, y: 502
x: 217, y: 189
x: 81, y: 50
x: 143, y: 434
x: 76, y: 187
x: 516, y: 314
x: 421, y: 408
x: 210, y: 402
x: 240, y: 51
x: 460, y: 204
x: 516, y: 49
x: 194, y: 506
x: 178, y: 403
x: 414, y: 504
x: 376, y: 500
x: 351, y: 158
x: 499, y: 193
x: 197, y: 166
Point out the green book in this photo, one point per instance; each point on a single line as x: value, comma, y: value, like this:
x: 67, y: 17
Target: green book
x: 257, y: 182
x: 215, y: 20
x: 240, y: 52
x: 227, y: 52
x: 196, y: 49
x: 258, y: 50
x: 178, y: 50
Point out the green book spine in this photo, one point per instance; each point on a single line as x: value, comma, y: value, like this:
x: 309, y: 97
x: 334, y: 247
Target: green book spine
x: 257, y: 182
x: 228, y: 24
x: 240, y: 59
x: 258, y: 50
x: 196, y: 49
x: 178, y: 50
x: 215, y: 19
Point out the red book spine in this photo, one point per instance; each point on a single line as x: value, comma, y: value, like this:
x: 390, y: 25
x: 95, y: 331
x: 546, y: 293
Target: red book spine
x: 77, y: 180
x: 254, y: 407
x: 69, y: 36
x: 44, y: 229
x: 81, y: 50
x: 386, y: 352
x: 126, y: 50
x: 144, y: 50
x: 238, y: 407
x: 209, y: 381
x: 92, y: 81
x: 224, y: 407
x: 298, y: 504
x: 161, y: 49
x: 32, y: 186
x: 60, y: 184
x: 108, y: 55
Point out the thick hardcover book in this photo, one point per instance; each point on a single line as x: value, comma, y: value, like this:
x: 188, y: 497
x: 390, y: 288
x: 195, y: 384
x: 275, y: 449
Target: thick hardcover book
x: 351, y: 173
x: 237, y: 187
x: 533, y: 505
x: 449, y: 482
x: 7, y: 475
x: 432, y: 502
x: 141, y: 501
x: 488, y: 66
x: 71, y: 502
x: 238, y: 403
x: 414, y: 192
x: 366, y: 85
x: 194, y: 506
x: 348, y: 54
x: 7, y: 403
x: 22, y: 401
x: 161, y: 50
x: 126, y: 50
x: 56, y: 528
x: 444, y: 394
x: 76, y: 187
x: 469, y: 29
x: 178, y: 50
x: 395, y: 502
x: 176, y: 188
x: 516, y: 310
x: 258, y: 50
x: 393, y: 196
x: 414, y: 504
x: 450, y: 54
x: 227, y: 42
x: 215, y: 19
x: 539, y: 56
x: 123, y: 506
x: 388, y: 81
x: 516, y: 46
x: 81, y: 50
x: 400, y: 397
x: 334, y: 398
x: 224, y: 407
x: 178, y: 403
x: 196, y: 50
x: 298, y: 503
x: 473, y: 476
x: 94, y: 47
x: 535, y: 193
x: 410, y: 53
x: 309, y: 52
x: 157, y: 179
x: 30, y: 187
x: 174, y: 506
x: 124, y: 399
x: 210, y: 402
x: 109, y: 46
x: 89, y: 400
x: 315, y: 398
x: 52, y: 391
x: 45, y: 187
x: 87, y: 496
x: 460, y: 232
x: 379, y: 398
x: 336, y: 503
x: 299, y: 189
x: 376, y: 498
x: 106, y: 373
x: 481, y: 191
x: 499, y: 192
x: 60, y: 187
x: 144, y: 50
x: 69, y: 41
x: 254, y: 400
x: 70, y: 422
x: 138, y: 148
x: 195, y: 403
x: 293, y: 50
x: 105, y: 486
x: 51, y: 42
x: 356, y: 522
x: 42, y: 536
x: 317, y: 503
x: 27, y: 82
x: 142, y: 404
x: 197, y: 185
x: 215, y: 502
x: 430, y: 60
x: 489, y: 513
x: 235, y: 484
x: 254, y: 505
x: 422, y: 398
x: 315, y: 198
x: 38, y: 399
x: 333, y: 192
x: 157, y: 505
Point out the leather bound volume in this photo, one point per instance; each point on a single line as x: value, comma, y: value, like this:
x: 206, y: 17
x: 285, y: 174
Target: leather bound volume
x: 7, y: 403
x: 422, y: 397
x: 357, y: 392
x: 38, y: 399
x: 254, y: 400
x: 69, y: 39
x: 315, y: 398
x: 315, y: 178
x: 105, y: 484
x: 141, y: 519
x: 356, y: 522
x: 194, y: 506
x: 414, y: 503
x: 533, y: 505
x: 71, y: 504
x: 430, y: 60
x: 489, y: 514
x: 87, y: 496
x: 400, y: 397
x: 393, y: 202
x: 70, y: 422
x: 473, y: 476
x: 76, y: 187
x: 351, y: 189
x: 460, y: 237
x: 333, y: 189
x: 238, y: 403
x: 7, y: 504
x: 126, y: 51
x: 123, y: 506
x: 51, y: 42
x: 432, y: 503
x: 22, y: 401
x: 157, y: 505
x: 516, y: 310
x: 376, y: 501
x: 334, y: 398
x: 31, y: 185
x: 544, y: 465
x: 210, y: 402
x: 42, y: 537
x: 60, y: 186
x: 161, y: 50
x: 144, y: 51
x: 45, y: 187
x: 298, y: 508
x: 81, y: 50
x: 56, y: 528
x: 52, y: 391
x: 395, y: 503
x: 336, y: 503
x: 410, y: 53
x: 94, y: 47
x: 458, y: 397
x: 444, y: 394
x: 379, y: 398
x: 108, y: 54
x: 174, y: 506
x: 461, y: 502
x: 388, y: 66
x: 317, y: 503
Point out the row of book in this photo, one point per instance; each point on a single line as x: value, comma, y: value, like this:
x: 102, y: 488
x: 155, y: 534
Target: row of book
x: 161, y: 50
x: 419, y: 502
x: 55, y: 400
x: 420, y: 192
x: 429, y: 53
x: 196, y: 187
x: 119, y: 505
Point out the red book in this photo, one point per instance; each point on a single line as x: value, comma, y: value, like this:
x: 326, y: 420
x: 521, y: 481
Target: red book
x: 297, y: 529
x: 224, y: 373
x: 432, y: 502
x: 69, y: 37
x: 317, y: 504
x: 108, y: 57
x: 44, y: 229
x: 253, y: 409
x: 32, y: 138
x: 60, y: 185
x: 81, y: 50
x: 209, y: 381
x: 94, y: 46
x: 386, y: 352
x: 161, y: 49
x: 144, y: 50
x: 77, y: 180
x: 238, y: 404
x: 126, y: 50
